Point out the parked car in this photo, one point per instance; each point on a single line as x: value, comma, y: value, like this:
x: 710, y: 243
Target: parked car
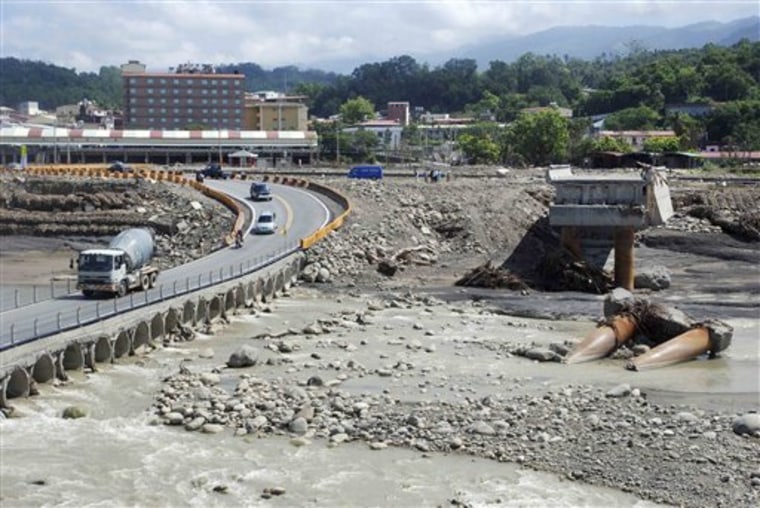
x: 260, y: 191
x: 214, y: 170
x: 119, y: 167
x: 265, y: 223
x: 370, y: 171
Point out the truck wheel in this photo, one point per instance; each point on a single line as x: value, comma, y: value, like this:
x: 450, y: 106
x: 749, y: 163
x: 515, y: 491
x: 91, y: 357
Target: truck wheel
x: 145, y: 282
x: 152, y: 279
x: 122, y: 288
x: 88, y: 293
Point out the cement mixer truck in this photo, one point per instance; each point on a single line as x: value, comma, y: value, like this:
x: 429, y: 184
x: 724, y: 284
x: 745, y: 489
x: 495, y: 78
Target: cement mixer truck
x: 123, y: 266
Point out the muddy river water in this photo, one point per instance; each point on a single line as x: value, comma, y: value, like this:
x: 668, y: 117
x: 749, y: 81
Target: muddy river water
x: 119, y: 456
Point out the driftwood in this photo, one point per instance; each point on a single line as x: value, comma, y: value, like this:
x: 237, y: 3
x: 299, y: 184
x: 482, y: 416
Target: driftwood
x: 407, y: 255
x: 488, y: 276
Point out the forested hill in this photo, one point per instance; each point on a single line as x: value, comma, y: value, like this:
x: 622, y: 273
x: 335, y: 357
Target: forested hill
x: 642, y: 79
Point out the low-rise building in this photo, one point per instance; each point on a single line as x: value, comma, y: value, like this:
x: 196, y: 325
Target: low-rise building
x: 636, y: 138
x: 271, y: 111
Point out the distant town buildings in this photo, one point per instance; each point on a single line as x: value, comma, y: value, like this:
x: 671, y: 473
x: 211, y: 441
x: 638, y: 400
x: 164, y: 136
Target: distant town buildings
x: 636, y: 138
x: 192, y: 97
x: 399, y: 111
x: 273, y: 111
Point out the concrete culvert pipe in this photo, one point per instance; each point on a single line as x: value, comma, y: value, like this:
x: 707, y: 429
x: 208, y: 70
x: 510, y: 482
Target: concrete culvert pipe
x: 122, y: 345
x: 18, y: 383
x: 201, y: 315
x: 188, y: 313
x: 279, y: 282
x: 103, y: 350
x: 73, y: 357
x: 268, y: 293
x: 250, y: 294
x: 141, y: 335
x: 157, y: 326
x: 230, y: 300
x: 171, y: 320
x: 43, y: 369
x: 240, y: 296
x: 214, y: 309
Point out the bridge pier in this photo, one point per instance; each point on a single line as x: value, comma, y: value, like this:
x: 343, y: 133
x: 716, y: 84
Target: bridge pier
x: 624, y: 266
x: 593, y: 204
x: 89, y: 356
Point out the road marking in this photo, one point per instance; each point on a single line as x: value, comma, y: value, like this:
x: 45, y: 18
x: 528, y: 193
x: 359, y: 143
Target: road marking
x: 288, y: 212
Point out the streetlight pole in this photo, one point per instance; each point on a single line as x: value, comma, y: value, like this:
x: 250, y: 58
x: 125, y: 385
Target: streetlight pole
x: 337, y: 143
x: 219, y: 143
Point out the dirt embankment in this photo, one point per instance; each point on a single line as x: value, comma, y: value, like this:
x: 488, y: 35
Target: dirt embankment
x: 401, y: 231
x: 72, y: 214
x: 409, y: 230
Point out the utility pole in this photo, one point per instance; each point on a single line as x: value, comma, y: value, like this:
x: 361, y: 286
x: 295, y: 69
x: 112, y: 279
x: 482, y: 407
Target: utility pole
x: 337, y: 143
x: 219, y: 141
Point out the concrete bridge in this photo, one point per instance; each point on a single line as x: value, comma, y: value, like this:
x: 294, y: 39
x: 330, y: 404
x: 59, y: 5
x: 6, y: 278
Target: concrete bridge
x: 47, y: 357
x: 51, y: 358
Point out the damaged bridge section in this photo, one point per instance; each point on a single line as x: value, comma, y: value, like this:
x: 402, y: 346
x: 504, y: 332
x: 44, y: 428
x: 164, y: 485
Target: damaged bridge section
x: 602, y: 212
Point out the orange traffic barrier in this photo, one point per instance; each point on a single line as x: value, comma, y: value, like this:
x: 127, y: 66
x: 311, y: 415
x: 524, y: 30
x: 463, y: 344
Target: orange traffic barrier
x: 686, y: 346
x: 604, y: 340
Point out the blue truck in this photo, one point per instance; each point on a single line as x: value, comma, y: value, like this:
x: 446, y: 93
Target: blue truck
x: 366, y: 171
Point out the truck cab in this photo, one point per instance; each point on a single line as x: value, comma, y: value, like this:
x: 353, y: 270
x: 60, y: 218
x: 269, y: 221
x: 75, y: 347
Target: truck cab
x: 101, y: 270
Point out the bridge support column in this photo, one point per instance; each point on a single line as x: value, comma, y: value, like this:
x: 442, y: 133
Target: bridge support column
x: 89, y: 357
x: 624, y: 272
x: 570, y: 240
x: 59, y: 370
x: 3, y: 397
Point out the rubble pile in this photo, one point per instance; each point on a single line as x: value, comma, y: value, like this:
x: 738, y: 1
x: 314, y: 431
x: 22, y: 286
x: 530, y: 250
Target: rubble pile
x: 734, y: 211
x: 489, y: 276
x: 397, y: 225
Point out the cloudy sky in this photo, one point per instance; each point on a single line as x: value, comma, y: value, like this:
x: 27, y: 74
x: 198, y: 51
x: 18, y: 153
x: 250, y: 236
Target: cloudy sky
x: 324, y: 34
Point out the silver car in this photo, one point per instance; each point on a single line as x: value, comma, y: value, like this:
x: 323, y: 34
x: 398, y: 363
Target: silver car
x: 265, y: 223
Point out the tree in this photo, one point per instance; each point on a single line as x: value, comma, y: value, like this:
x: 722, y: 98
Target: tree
x: 362, y: 145
x: 661, y: 145
x: 640, y: 118
x: 610, y: 144
x: 540, y: 138
x: 356, y: 110
x: 478, y: 149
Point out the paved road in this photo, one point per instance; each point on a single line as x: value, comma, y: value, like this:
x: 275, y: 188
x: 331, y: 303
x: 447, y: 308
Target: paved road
x: 299, y: 213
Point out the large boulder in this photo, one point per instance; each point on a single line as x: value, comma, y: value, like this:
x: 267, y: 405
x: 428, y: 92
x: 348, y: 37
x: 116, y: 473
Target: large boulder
x: 246, y: 356
x: 655, y: 278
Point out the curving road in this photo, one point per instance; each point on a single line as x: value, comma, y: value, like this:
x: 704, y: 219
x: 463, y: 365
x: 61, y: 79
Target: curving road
x: 299, y: 214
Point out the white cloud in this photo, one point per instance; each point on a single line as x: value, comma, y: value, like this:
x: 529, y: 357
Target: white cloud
x: 87, y: 34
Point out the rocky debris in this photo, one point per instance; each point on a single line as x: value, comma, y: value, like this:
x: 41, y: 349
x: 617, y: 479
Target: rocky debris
x: 655, y: 278
x: 657, y: 323
x: 560, y: 270
x: 734, y: 211
x: 607, y: 433
x: 187, y: 224
x: 73, y: 412
x: 489, y: 276
x: 412, y: 224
